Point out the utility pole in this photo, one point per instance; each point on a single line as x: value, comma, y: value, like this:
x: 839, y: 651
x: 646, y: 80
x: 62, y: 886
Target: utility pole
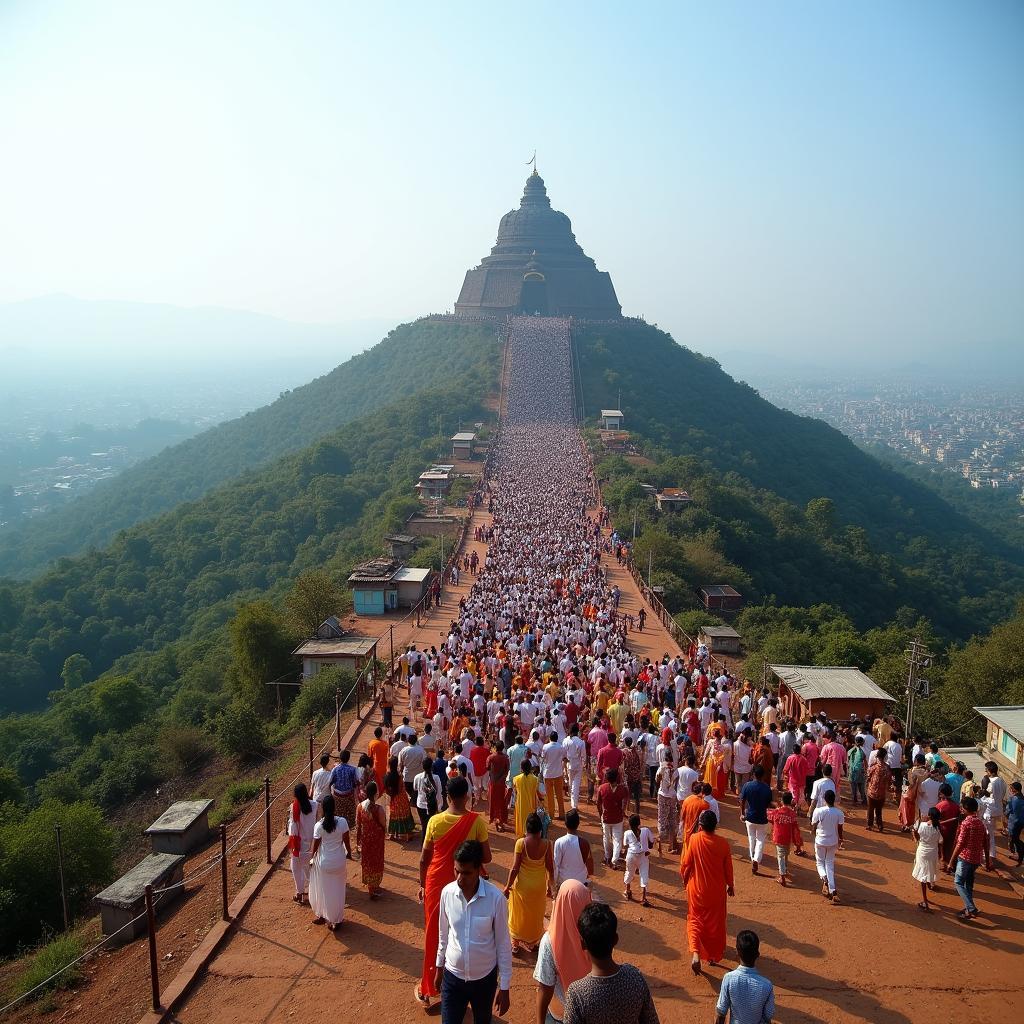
x: 917, y: 658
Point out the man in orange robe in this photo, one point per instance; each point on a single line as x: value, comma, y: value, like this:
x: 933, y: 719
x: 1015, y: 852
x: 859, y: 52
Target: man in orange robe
x: 707, y: 874
x: 378, y: 750
x: 690, y: 811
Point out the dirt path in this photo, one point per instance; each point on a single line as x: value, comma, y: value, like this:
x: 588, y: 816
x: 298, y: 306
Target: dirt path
x: 875, y: 957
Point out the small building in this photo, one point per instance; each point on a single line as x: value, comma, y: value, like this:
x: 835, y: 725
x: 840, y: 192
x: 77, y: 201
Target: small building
x: 435, y: 483
x: 720, y: 597
x: 672, y: 499
x: 720, y: 639
x: 181, y: 828
x: 123, y: 903
x: 401, y: 545
x: 839, y: 691
x: 412, y: 584
x: 1004, y: 737
x: 351, y: 652
x: 611, y: 419
x: 648, y: 489
x: 373, y: 589
x: 384, y: 584
x: 462, y: 444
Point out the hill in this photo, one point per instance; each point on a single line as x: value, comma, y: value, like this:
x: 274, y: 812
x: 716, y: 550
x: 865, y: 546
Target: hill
x: 786, y: 505
x: 412, y: 357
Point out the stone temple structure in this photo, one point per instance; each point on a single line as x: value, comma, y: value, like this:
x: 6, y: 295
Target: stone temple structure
x: 537, y: 266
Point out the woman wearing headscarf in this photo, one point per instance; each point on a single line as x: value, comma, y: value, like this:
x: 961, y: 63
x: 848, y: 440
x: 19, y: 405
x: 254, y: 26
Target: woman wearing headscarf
x: 561, y: 958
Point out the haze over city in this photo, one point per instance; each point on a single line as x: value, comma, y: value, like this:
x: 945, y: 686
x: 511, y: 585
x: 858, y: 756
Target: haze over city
x: 765, y: 183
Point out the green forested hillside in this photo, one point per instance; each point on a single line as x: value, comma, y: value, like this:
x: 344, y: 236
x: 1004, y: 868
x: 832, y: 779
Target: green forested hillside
x: 786, y: 506
x: 412, y: 357
x: 183, y: 572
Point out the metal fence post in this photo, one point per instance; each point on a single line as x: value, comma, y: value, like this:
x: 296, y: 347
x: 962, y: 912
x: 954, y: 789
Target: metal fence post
x: 337, y: 720
x: 224, y: 872
x: 311, y: 756
x: 60, y: 870
x: 266, y: 812
x: 154, y: 969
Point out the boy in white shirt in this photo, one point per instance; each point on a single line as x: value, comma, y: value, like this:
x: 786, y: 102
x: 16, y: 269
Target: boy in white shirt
x: 637, y: 842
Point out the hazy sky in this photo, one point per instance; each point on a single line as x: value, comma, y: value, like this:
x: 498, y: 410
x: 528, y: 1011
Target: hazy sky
x: 778, y: 178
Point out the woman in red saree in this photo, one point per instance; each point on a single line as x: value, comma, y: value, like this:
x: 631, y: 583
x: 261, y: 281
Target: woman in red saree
x: 446, y: 832
x: 371, y: 828
x: 706, y: 870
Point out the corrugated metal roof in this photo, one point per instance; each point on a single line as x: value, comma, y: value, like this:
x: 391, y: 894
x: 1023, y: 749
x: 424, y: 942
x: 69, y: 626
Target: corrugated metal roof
x: 350, y: 647
x: 464, y: 435
x: 719, y: 631
x: 612, y: 412
x: 970, y: 757
x: 820, y: 682
x: 1010, y: 718
x: 411, y: 575
x: 720, y: 590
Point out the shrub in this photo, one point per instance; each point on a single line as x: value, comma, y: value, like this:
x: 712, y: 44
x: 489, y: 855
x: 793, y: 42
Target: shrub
x: 316, y: 700
x: 46, y: 961
x: 184, y: 748
x: 241, y: 732
x: 242, y: 792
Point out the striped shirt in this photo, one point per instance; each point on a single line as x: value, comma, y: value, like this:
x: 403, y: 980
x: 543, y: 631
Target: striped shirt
x: 748, y: 995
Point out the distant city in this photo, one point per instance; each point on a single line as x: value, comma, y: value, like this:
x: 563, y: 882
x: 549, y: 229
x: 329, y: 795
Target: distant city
x: 59, y: 443
x: 975, y: 430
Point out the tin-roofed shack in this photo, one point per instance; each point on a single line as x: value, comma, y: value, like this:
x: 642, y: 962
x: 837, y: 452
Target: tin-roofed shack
x: 435, y: 483
x: 463, y: 444
x: 839, y: 691
x: 721, y: 639
x: 1004, y: 737
x: 401, y: 545
x: 720, y: 597
x: 384, y: 584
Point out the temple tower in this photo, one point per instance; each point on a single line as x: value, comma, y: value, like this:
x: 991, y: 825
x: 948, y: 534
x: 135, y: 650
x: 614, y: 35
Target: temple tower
x: 537, y: 266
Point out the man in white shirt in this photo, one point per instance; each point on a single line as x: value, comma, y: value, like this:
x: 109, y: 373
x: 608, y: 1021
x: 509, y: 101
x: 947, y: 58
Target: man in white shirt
x: 827, y: 823
x: 320, y: 784
x: 576, y: 757
x: 552, y: 760
x: 822, y: 786
x: 572, y: 856
x: 474, y: 950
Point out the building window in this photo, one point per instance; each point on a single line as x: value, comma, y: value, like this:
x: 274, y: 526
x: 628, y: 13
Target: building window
x: 1008, y: 746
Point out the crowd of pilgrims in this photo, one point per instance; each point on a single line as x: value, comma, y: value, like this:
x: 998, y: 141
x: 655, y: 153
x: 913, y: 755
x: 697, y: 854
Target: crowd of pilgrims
x: 533, y: 707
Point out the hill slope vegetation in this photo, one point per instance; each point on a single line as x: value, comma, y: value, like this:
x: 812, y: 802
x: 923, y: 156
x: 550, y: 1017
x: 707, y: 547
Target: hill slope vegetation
x: 786, y: 506
x: 412, y: 357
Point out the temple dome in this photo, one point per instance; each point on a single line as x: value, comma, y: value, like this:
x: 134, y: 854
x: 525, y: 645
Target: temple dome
x: 536, y: 247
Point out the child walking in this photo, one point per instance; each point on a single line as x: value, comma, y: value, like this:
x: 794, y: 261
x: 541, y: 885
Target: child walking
x: 638, y: 842
x: 785, y: 834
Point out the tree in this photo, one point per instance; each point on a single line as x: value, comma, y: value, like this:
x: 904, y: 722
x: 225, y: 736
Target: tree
x: 821, y: 516
x: 76, y: 671
x: 261, y: 651
x: 29, y: 882
x: 241, y: 732
x: 122, y: 701
x: 313, y: 598
x: 11, y: 789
